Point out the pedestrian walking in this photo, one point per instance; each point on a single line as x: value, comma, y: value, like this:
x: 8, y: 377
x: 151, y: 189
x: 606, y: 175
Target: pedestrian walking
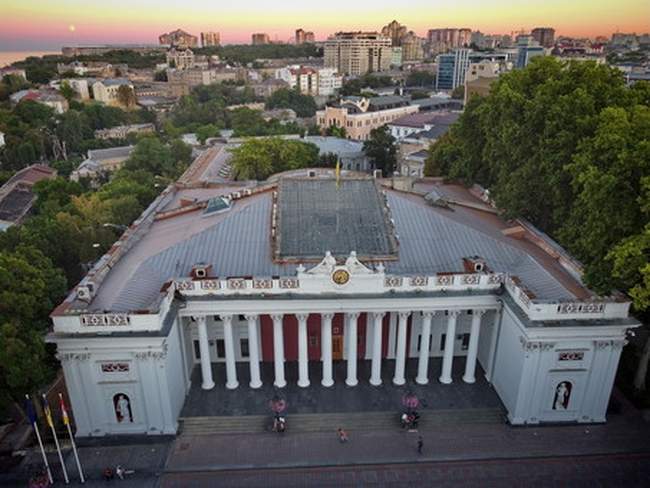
x: 343, y: 436
x: 420, y: 444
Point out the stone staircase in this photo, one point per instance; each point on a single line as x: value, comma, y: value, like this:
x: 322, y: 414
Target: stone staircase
x: 329, y: 422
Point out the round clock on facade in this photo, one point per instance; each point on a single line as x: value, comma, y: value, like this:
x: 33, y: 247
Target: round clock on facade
x: 340, y: 277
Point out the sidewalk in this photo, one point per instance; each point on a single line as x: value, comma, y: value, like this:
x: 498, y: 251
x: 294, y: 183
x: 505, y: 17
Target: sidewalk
x: 454, y: 442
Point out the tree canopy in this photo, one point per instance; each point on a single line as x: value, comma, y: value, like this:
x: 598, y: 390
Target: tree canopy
x: 257, y: 159
x: 303, y: 105
x: 565, y: 145
x: 381, y: 150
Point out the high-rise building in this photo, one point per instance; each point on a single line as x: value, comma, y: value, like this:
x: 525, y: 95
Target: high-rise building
x: 527, y: 48
x: 411, y: 45
x: 395, y: 32
x: 442, y: 40
x: 451, y: 69
x: 545, y: 36
x: 260, y: 38
x: 303, y: 36
x: 210, y: 39
x: 179, y: 38
x: 358, y: 53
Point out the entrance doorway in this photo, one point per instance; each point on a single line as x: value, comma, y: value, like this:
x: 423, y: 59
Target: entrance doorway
x: 337, y: 347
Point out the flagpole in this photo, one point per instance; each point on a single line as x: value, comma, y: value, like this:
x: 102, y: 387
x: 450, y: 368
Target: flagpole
x: 32, y: 419
x: 66, y: 421
x: 48, y: 416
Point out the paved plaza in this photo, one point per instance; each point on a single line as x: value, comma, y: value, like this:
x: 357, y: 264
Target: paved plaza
x: 338, y: 398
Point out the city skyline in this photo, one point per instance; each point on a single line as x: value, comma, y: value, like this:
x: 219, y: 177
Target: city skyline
x: 37, y: 24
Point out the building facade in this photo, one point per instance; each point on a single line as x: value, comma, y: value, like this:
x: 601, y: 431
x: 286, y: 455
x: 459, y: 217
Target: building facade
x: 210, y: 39
x: 107, y: 91
x: 178, y: 38
x: 260, y: 38
x: 311, y: 81
x: 180, y: 59
x: 359, y: 116
x: 545, y: 36
x: 527, y: 49
x: 245, y: 286
x: 442, y: 40
x: 303, y: 37
x: 358, y: 53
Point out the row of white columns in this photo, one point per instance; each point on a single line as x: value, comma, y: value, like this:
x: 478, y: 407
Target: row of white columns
x: 351, y: 349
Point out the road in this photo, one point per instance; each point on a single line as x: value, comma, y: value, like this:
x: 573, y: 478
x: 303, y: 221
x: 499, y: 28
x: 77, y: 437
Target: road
x: 628, y: 470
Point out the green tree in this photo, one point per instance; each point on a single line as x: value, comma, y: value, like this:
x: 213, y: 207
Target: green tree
x: 67, y: 91
x: 126, y: 96
x: 381, y: 150
x: 420, y: 78
x: 205, y: 132
x: 303, y: 105
x: 257, y: 159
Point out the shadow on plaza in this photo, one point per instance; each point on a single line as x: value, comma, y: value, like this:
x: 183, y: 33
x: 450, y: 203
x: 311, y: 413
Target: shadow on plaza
x: 338, y: 398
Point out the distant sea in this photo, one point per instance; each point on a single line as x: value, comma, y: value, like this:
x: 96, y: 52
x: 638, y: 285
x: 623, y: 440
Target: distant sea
x: 8, y: 57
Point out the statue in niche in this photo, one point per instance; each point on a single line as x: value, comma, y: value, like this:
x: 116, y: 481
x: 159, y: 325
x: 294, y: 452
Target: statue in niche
x: 562, y: 395
x: 122, y: 406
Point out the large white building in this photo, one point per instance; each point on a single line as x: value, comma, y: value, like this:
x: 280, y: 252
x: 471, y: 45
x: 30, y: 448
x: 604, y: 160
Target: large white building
x: 250, y: 277
x: 107, y: 91
x: 311, y: 81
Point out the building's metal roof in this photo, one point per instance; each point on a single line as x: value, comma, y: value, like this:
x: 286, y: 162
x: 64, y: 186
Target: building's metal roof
x: 337, y: 145
x: 110, y: 153
x: 239, y: 244
x: 317, y: 215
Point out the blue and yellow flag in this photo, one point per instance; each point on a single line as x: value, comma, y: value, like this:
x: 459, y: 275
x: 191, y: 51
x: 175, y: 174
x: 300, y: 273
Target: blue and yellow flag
x: 47, y: 412
x: 29, y: 408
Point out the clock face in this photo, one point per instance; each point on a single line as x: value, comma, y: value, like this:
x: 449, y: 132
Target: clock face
x: 340, y: 277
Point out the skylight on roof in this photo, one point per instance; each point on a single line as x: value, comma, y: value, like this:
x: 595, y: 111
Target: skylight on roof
x: 217, y: 205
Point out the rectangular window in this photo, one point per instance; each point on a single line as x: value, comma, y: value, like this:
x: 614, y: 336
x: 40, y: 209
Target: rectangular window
x: 243, y: 347
x: 197, y: 350
x: 242, y: 318
x: 443, y: 338
x: 217, y: 318
x: 313, y: 341
x: 221, y: 348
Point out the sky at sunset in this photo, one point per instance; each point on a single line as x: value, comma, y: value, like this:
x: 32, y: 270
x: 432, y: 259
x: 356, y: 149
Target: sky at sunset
x: 49, y: 24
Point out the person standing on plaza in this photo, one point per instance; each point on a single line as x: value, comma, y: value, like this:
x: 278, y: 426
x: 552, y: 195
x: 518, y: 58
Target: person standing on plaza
x: 420, y: 444
x: 343, y: 436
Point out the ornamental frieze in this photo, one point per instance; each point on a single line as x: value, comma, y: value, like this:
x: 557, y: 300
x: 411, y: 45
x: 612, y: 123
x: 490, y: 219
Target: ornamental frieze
x: 73, y: 356
x: 236, y: 283
x: 392, y: 281
x: 444, y: 280
x: 419, y: 281
x: 289, y: 283
x: 470, y: 279
x: 577, y: 307
x: 262, y: 283
x: 99, y: 320
x: 531, y: 346
x: 210, y: 284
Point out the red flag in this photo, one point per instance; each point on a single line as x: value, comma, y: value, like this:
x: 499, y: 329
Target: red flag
x: 64, y: 412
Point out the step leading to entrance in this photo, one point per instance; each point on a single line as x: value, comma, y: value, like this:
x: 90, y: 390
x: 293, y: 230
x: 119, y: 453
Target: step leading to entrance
x: 326, y: 422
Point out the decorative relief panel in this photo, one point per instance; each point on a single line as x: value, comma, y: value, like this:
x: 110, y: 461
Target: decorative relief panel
x: 419, y: 281
x: 524, y: 298
x: 570, y: 355
x: 184, y: 285
x: 470, y: 279
x: 236, y: 284
x: 576, y: 307
x: 73, y: 356
x: 392, y: 281
x: 444, y: 280
x: 112, y: 319
x: 262, y: 283
x: 495, y: 279
x: 530, y: 346
x: 210, y: 284
x: 615, y: 345
x: 289, y: 283
x: 115, y: 367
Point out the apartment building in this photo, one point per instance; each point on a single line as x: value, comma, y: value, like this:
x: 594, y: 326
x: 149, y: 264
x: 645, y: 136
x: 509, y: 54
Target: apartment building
x: 209, y: 39
x: 260, y: 38
x: 311, y: 81
x: 358, y: 53
x: 178, y: 38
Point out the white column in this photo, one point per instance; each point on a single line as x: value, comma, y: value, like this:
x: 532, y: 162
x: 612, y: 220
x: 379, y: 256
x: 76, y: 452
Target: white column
x: 375, y: 375
x: 278, y: 351
x: 493, y: 344
x: 303, y: 358
x: 352, y: 340
x: 425, y: 339
x: 253, y: 352
x: 450, y: 341
x: 400, y: 356
x: 231, y: 368
x: 204, y: 349
x: 326, y: 348
x: 472, y: 350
